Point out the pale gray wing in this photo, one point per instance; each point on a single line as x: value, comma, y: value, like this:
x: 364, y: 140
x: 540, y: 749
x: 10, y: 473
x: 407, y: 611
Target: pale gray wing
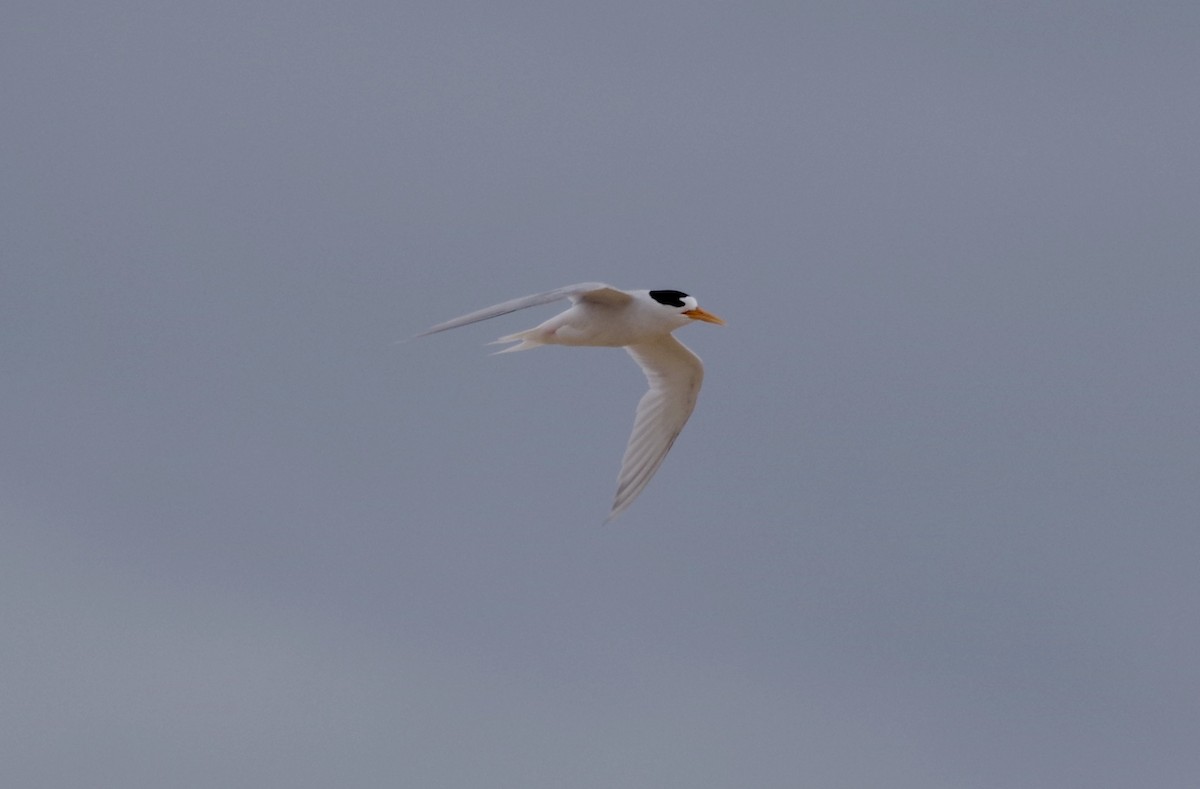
x: 585, y: 291
x: 674, y: 374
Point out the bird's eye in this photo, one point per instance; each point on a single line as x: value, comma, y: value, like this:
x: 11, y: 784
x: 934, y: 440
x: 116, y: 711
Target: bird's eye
x: 670, y: 298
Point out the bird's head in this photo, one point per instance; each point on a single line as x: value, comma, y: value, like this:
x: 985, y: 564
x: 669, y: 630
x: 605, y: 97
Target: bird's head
x: 684, y: 305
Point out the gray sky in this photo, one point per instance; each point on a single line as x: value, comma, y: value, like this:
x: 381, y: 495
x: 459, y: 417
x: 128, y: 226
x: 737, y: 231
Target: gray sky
x: 933, y: 523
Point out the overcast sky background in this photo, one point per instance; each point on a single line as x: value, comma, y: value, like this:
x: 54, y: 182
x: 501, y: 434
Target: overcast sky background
x: 934, y: 523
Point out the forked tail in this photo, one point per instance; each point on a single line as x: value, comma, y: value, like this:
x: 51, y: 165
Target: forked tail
x: 526, y: 339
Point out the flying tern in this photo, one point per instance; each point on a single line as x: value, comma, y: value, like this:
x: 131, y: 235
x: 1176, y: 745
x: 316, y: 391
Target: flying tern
x: 641, y: 322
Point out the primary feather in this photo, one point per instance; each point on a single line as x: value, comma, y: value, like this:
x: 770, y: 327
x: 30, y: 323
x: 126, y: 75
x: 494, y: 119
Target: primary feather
x: 595, y: 291
x: 674, y: 374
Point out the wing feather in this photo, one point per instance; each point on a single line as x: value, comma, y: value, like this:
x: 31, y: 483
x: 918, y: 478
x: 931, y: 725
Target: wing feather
x: 674, y: 374
x: 596, y: 292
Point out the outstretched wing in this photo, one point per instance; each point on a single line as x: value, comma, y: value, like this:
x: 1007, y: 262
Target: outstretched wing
x: 596, y: 292
x: 674, y: 374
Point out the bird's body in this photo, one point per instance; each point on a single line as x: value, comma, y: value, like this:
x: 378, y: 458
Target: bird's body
x: 641, y: 321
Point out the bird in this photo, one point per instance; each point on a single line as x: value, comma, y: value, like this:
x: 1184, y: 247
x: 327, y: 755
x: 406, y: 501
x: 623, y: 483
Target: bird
x: 641, y: 322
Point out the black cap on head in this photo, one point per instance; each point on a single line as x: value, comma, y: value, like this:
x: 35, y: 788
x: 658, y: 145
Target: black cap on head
x: 671, y: 298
